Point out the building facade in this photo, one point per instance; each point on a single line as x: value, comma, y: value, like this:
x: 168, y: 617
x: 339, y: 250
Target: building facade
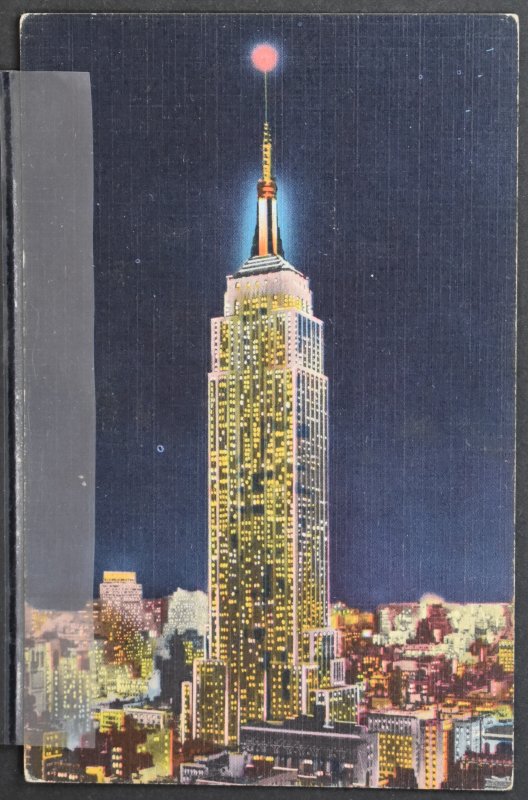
x: 210, y: 698
x: 410, y: 743
x: 121, y: 597
x: 268, y: 473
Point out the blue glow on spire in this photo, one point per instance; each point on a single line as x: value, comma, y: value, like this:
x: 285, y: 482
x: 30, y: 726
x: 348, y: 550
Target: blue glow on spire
x: 248, y: 217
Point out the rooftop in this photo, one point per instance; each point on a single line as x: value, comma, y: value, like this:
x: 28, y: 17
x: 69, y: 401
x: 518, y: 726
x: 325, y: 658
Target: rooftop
x: 269, y: 263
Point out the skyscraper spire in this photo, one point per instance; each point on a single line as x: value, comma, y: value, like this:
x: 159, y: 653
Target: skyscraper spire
x: 266, y: 240
x: 266, y: 139
x: 266, y: 153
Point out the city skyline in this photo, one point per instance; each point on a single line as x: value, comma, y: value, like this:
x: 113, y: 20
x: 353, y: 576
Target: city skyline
x: 427, y: 598
x: 429, y: 703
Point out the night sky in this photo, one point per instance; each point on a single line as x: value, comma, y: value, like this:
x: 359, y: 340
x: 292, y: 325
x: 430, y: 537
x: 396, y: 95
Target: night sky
x: 395, y: 143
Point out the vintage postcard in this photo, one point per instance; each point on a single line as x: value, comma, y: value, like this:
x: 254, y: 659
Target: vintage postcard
x: 304, y: 294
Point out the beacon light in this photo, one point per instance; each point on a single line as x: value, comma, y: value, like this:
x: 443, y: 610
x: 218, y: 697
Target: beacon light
x: 264, y: 57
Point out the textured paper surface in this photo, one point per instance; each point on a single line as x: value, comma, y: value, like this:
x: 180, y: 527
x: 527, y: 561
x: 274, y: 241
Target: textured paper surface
x: 343, y: 563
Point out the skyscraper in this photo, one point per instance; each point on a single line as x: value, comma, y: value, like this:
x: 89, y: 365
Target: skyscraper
x: 121, y: 598
x: 268, y: 468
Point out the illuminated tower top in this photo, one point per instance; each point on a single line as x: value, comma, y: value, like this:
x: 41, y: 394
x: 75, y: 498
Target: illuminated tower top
x: 267, y: 241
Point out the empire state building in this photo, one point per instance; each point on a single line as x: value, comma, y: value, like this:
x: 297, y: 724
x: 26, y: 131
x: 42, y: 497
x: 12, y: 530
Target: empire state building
x: 270, y: 647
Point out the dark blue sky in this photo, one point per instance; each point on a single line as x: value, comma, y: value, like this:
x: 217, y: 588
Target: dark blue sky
x: 395, y: 157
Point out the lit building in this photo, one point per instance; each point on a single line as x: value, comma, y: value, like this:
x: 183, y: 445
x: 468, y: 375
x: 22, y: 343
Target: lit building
x: 395, y: 750
x: 121, y: 597
x: 159, y: 746
x: 70, y: 694
x: 193, y: 646
x: 210, y: 701
x: 98, y: 773
x: 506, y: 656
x: 467, y: 735
x: 268, y: 453
x: 154, y: 616
x: 187, y: 611
x: 396, y: 622
x: 108, y: 719
x: 186, y: 711
x: 352, y: 625
x: 147, y: 717
x: 203, y: 768
x: 54, y: 744
x: 319, y: 649
x: 38, y: 664
x: 410, y: 743
x: 127, y: 677
x: 339, y: 704
x: 433, y: 763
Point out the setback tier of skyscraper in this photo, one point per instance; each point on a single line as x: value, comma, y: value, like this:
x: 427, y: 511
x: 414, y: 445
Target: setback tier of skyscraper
x: 270, y: 645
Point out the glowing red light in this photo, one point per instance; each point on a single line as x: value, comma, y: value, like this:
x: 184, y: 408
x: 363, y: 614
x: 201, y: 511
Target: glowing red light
x: 264, y: 57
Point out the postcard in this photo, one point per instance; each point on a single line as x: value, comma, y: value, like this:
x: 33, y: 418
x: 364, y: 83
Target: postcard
x: 304, y: 305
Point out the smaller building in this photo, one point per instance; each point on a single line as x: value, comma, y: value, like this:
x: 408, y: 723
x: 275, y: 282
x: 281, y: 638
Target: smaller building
x: 109, y: 718
x: 210, y: 701
x: 467, y: 735
x: 340, y: 704
x: 411, y: 747
x: 343, y: 755
x: 506, y: 655
x: 148, y: 717
x: 186, y: 714
x: 191, y: 771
